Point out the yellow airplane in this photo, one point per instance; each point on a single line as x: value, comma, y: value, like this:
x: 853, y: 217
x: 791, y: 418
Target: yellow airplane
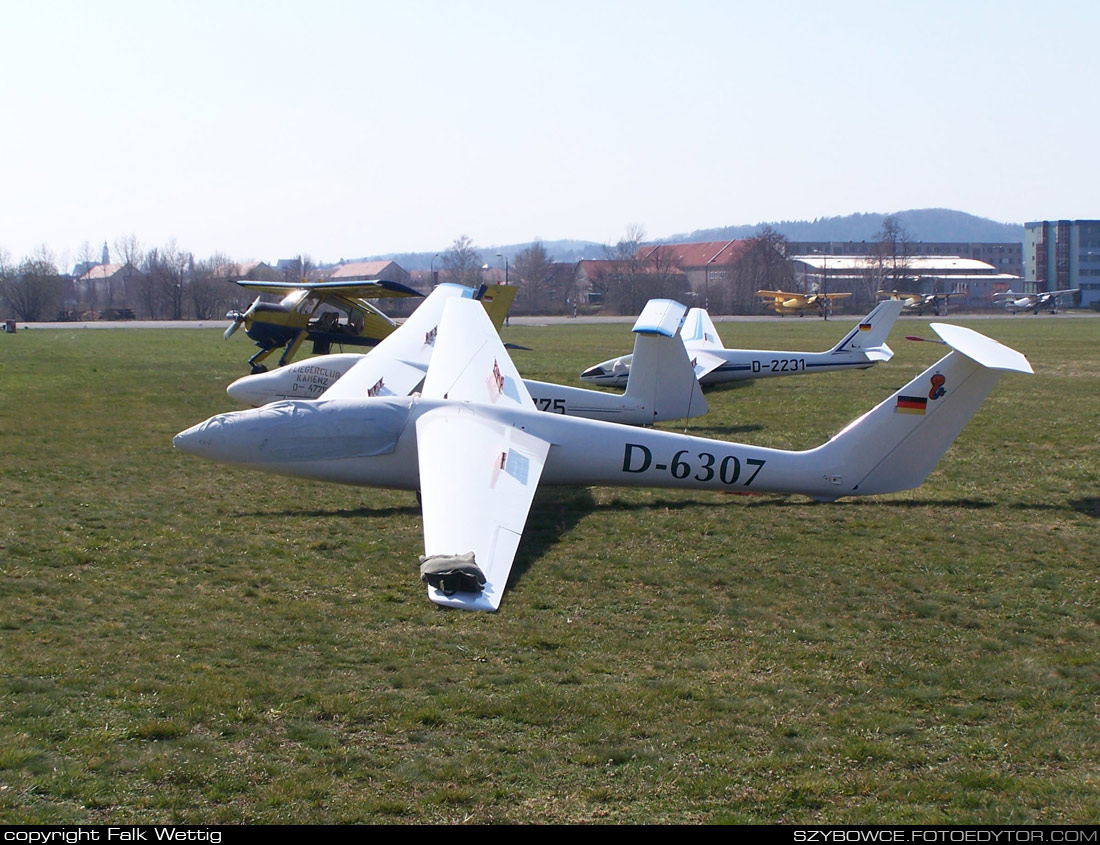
x: 328, y: 313
x: 918, y: 301
x: 783, y: 303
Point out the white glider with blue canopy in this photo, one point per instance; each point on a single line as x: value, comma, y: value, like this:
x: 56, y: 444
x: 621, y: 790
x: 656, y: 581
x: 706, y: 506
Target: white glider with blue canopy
x: 863, y: 346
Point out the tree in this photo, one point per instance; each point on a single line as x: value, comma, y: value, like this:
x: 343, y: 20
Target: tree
x: 211, y: 286
x: 128, y: 252
x: 535, y: 277
x: 166, y: 272
x: 622, y: 286
x: 462, y: 263
x: 34, y: 288
x: 887, y: 266
x: 300, y: 268
x: 764, y: 267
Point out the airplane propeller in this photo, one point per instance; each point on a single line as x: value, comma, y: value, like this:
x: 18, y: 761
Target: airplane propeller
x: 238, y: 317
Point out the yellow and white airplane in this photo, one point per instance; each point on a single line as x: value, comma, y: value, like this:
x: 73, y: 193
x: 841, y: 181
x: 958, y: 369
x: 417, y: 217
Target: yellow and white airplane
x: 321, y: 312
x: 475, y: 446
x: 783, y: 302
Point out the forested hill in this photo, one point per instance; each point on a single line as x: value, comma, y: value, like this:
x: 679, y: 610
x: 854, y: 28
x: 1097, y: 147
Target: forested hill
x: 921, y: 224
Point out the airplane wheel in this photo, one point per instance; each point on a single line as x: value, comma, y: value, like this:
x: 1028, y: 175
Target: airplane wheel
x: 258, y: 368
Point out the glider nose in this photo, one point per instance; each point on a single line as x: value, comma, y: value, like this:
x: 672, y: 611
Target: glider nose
x: 220, y: 438
x: 256, y: 390
x: 191, y: 440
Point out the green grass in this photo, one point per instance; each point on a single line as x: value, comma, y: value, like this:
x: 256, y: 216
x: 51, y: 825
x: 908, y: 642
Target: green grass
x: 185, y: 642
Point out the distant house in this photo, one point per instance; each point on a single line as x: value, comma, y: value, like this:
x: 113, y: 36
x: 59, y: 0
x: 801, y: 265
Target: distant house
x: 365, y: 271
x: 255, y: 271
x: 723, y: 276
x: 705, y: 263
x: 108, y: 286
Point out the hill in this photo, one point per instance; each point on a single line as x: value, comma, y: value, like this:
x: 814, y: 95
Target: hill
x: 922, y: 224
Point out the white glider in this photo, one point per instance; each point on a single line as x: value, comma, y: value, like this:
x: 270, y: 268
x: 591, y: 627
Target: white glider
x: 663, y: 386
x: 862, y: 347
x: 475, y: 446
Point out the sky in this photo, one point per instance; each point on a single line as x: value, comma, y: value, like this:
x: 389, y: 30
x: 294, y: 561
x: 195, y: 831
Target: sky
x: 263, y: 130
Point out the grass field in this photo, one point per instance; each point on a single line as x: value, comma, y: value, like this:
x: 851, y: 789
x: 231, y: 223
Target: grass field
x: 185, y: 642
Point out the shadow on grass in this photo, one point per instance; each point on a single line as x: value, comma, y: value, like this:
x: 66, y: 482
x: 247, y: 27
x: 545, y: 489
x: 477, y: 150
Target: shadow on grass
x: 411, y: 510
x: 554, y: 512
x: 722, y: 430
x: 1088, y: 506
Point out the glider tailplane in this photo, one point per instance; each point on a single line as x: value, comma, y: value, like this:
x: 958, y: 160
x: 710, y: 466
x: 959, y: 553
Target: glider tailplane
x: 895, y: 445
x: 661, y: 374
x: 869, y: 335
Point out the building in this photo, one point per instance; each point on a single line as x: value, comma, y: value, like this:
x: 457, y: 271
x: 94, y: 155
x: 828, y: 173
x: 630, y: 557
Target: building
x: 1006, y: 257
x: 971, y: 282
x: 1063, y: 255
x: 368, y: 271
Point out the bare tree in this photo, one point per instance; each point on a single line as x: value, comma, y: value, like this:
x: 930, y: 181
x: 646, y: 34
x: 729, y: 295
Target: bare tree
x: 166, y: 270
x: 300, y: 269
x: 764, y: 267
x: 34, y: 288
x: 211, y: 286
x: 888, y: 265
x: 462, y: 263
x: 128, y: 252
x: 88, y: 292
x: 622, y: 286
x: 535, y: 277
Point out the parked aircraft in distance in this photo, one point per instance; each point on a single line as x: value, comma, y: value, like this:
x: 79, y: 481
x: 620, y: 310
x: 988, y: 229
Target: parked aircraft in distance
x: 1016, y: 302
x: 322, y: 312
x: 919, y: 302
x: 862, y: 347
x: 663, y: 387
x: 783, y: 303
x: 476, y: 448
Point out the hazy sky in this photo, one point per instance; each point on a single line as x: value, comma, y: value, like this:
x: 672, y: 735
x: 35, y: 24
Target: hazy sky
x: 341, y: 129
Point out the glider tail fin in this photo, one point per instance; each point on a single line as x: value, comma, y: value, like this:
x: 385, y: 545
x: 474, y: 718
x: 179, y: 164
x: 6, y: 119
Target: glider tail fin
x: 869, y: 335
x: 661, y: 374
x: 895, y: 445
x: 699, y: 329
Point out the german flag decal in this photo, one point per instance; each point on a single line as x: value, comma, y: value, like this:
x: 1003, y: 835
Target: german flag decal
x: 911, y: 405
x: 865, y: 327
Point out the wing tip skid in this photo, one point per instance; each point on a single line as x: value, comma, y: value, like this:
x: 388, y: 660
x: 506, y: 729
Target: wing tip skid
x: 981, y: 349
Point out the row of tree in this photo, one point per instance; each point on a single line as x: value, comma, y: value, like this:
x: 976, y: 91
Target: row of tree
x: 168, y: 282
x: 160, y: 283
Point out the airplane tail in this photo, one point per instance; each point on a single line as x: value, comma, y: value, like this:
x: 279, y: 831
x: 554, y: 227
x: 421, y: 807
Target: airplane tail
x: 895, y: 445
x: 699, y: 329
x: 661, y: 374
x: 497, y: 300
x: 869, y: 335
